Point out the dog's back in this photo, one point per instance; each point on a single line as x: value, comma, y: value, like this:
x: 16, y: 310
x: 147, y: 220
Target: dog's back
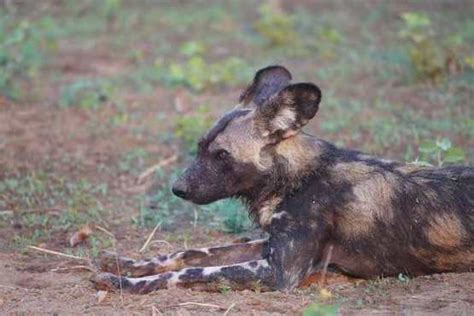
x: 387, y: 217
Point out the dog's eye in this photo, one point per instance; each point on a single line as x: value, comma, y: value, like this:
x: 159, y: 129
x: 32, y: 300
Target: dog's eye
x: 222, y: 154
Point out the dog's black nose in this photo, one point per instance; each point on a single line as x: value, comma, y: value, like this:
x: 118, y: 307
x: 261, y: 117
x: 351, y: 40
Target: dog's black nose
x: 180, y: 190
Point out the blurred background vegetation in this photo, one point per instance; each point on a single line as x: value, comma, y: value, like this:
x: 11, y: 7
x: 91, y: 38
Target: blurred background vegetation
x: 93, y: 93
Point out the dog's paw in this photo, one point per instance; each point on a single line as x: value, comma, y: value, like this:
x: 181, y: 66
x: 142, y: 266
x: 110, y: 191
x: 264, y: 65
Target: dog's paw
x: 109, y: 282
x: 108, y: 261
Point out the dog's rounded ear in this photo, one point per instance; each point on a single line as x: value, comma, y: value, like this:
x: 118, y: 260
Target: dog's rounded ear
x: 284, y: 114
x: 267, y: 82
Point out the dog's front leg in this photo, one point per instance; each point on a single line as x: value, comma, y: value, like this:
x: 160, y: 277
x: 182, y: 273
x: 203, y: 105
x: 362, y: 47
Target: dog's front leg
x: 294, y: 251
x: 200, y: 257
x: 245, y: 275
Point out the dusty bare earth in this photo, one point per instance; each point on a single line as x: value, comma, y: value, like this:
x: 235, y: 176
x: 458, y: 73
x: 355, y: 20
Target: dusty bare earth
x: 70, y: 144
x: 37, y: 285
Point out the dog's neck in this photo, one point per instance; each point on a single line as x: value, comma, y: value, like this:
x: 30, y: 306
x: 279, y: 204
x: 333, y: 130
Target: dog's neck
x: 294, y: 159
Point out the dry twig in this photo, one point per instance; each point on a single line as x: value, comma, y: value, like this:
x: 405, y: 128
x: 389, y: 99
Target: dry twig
x: 228, y: 310
x: 102, y: 229
x: 201, y: 304
x: 148, y: 240
x: 57, y: 253
x: 114, y: 243
x: 148, y: 172
x: 325, y: 267
x: 80, y: 267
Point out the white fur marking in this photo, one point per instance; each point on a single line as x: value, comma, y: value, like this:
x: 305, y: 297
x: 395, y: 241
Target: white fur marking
x: 284, y: 119
x: 279, y: 215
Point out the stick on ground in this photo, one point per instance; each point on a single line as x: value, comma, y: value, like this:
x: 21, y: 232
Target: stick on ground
x: 148, y: 240
x: 57, y: 253
x: 155, y: 167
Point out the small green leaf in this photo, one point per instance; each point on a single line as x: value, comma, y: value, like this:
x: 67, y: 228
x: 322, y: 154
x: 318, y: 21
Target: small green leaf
x: 428, y: 147
x: 11, y: 184
x: 320, y: 310
x: 192, y: 48
x: 403, y: 278
x: 3, y: 187
x: 416, y: 19
x: 454, y: 155
x: 443, y: 143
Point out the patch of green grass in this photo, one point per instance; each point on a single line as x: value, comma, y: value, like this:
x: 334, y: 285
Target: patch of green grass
x: 439, y: 152
x: 433, y: 56
x: 275, y: 25
x: 190, y: 16
x: 44, y: 204
x: 21, y: 241
x: 318, y: 309
x: 227, y: 215
x: 162, y: 206
x: 328, y: 40
x: 197, y: 74
x: 86, y: 93
x: 340, y: 113
x: 133, y: 161
x: 23, y: 47
x: 190, y: 69
x: 190, y: 127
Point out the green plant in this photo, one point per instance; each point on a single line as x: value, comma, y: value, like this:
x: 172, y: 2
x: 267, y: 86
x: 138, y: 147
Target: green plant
x: 439, y: 152
x: 317, y: 309
x: 162, y: 206
x: 275, y: 25
x: 44, y: 204
x: 230, y: 215
x: 199, y: 75
x: 192, y: 48
x: 110, y: 8
x: 189, y: 127
x: 432, y: 56
x: 469, y: 61
x: 23, y: 47
x: 86, y: 93
x: 328, y: 40
x: 224, y: 289
x: 133, y: 160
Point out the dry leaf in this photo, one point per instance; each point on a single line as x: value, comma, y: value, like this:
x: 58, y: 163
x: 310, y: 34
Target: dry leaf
x: 80, y: 236
x: 101, y: 295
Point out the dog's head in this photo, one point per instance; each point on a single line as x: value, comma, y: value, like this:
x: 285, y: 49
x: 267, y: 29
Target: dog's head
x: 241, y: 149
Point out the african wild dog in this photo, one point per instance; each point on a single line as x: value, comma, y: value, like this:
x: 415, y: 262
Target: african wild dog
x: 318, y: 203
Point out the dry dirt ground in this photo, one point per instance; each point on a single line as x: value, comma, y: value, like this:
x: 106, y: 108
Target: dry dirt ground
x: 29, y: 289
x: 37, y: 285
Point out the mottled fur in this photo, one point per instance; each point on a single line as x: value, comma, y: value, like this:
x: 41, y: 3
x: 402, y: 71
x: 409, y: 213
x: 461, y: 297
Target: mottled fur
x: 365, y: 216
